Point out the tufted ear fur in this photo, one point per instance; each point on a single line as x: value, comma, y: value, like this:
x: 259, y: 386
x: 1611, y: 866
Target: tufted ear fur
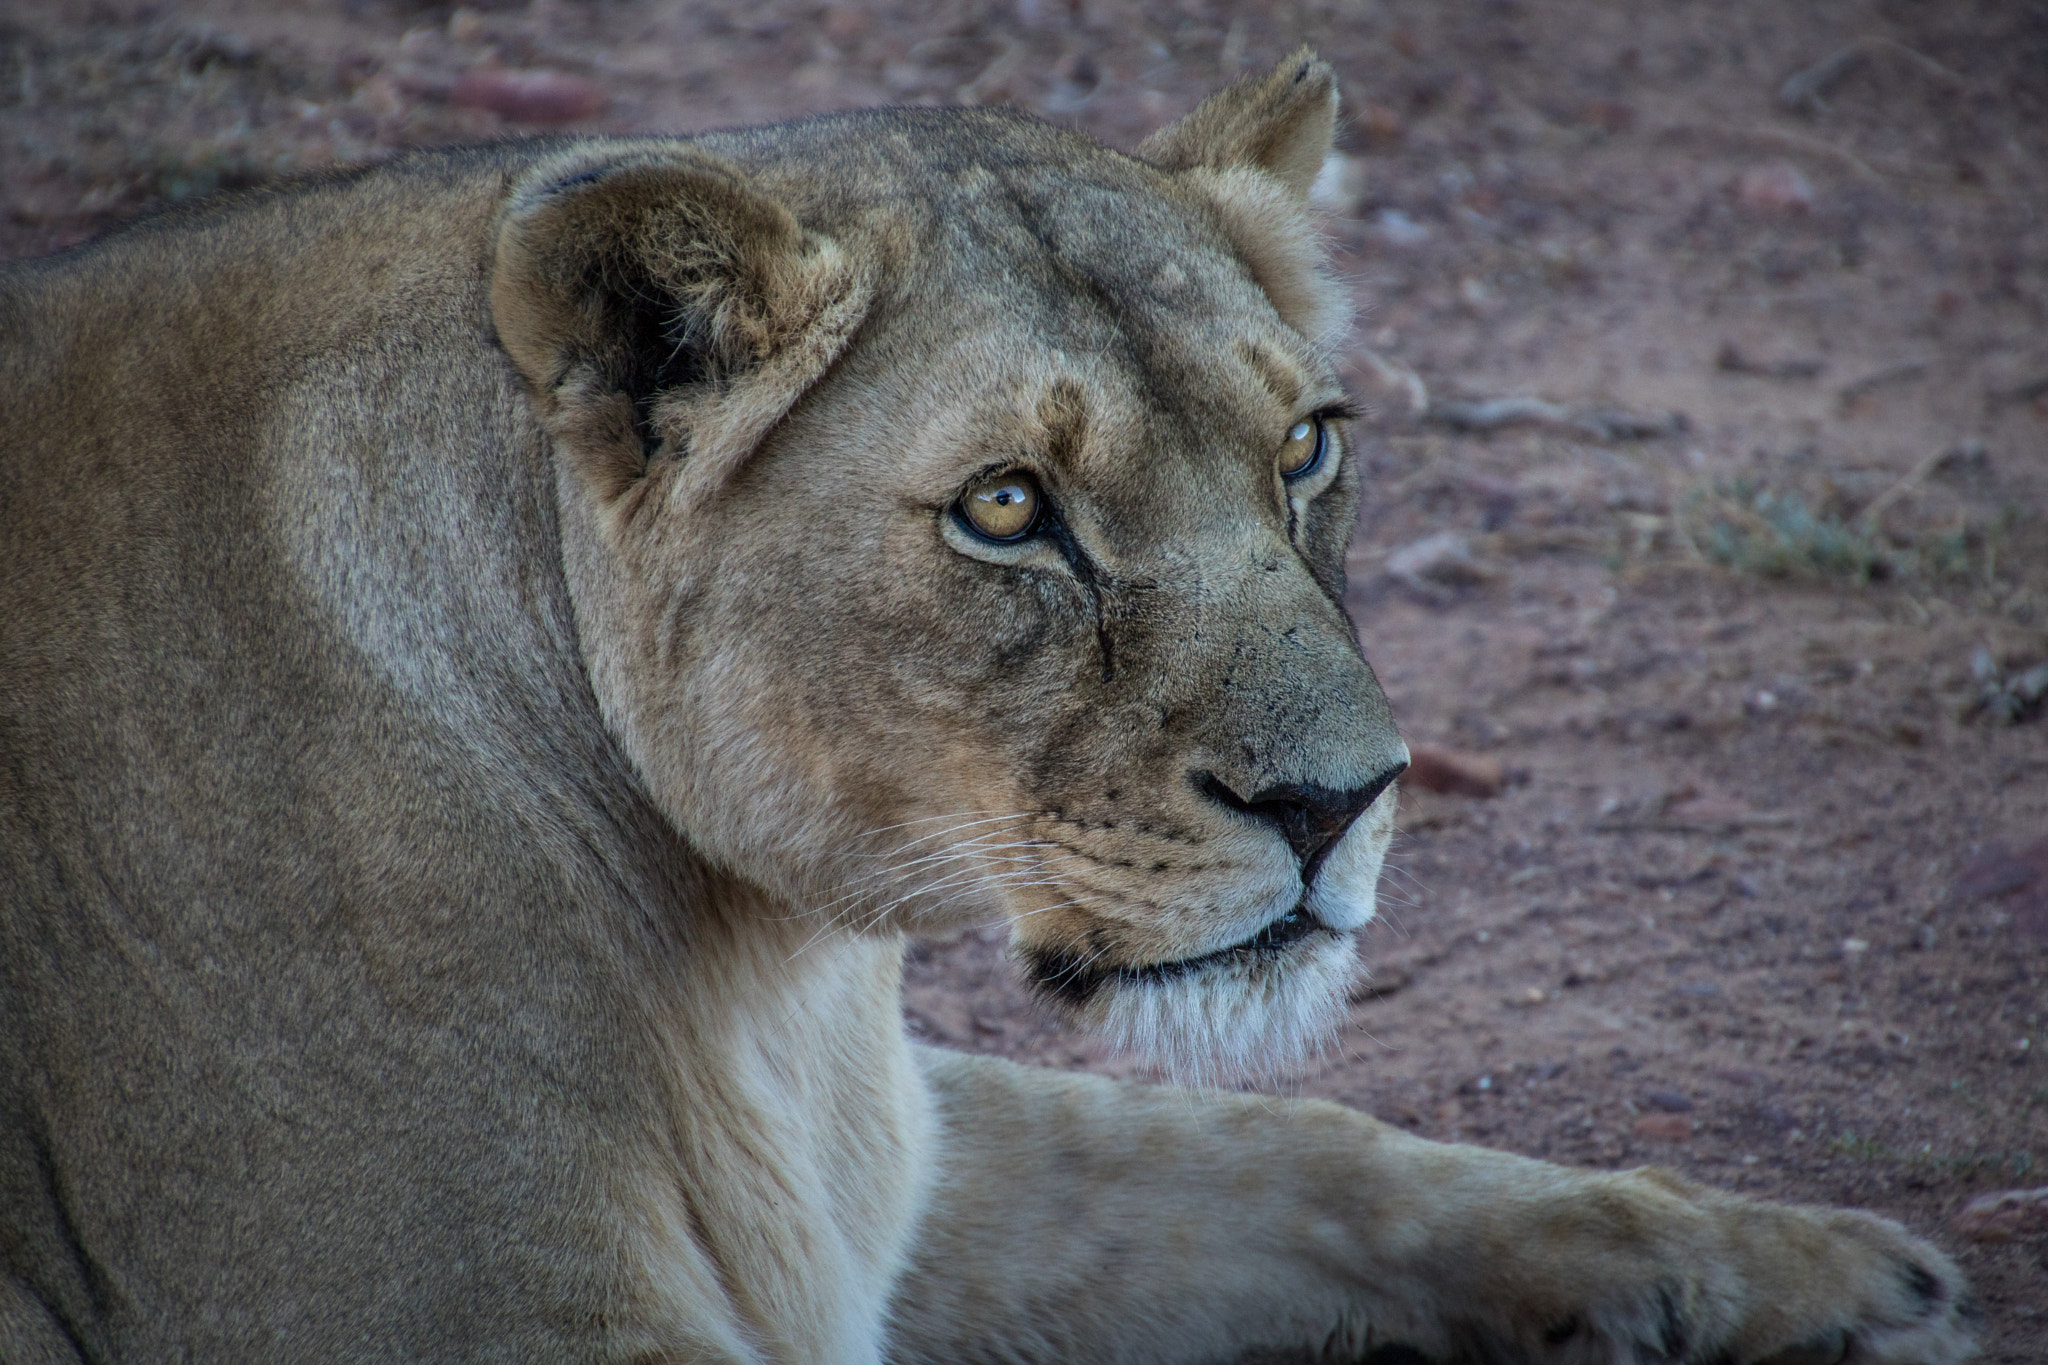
x: 1253, y: 149
x: 664, y: 313
x: 1280, y: 123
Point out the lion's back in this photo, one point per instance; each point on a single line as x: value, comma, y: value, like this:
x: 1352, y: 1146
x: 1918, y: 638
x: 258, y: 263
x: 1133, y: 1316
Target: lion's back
x: 264, y: 485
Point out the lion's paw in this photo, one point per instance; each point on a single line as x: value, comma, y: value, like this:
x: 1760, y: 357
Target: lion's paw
x: 1649, y: 1268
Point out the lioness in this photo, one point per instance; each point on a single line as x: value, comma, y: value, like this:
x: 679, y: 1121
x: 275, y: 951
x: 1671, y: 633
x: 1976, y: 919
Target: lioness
x: 499, y: 649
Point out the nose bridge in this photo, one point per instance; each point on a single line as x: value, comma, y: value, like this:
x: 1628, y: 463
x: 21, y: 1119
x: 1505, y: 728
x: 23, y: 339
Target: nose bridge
x: 1302, y: 708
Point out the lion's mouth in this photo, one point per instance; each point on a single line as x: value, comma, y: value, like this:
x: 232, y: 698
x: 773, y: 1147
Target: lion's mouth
x: 1074, y: 980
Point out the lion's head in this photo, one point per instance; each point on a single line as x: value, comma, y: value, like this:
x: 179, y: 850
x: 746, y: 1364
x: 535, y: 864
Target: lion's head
x: 958, y: 536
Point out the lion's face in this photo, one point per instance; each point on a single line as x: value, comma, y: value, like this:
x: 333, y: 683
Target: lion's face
x: 1027, y: 607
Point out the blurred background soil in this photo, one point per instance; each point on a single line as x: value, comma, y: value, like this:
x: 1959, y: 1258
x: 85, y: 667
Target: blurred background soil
x: 1705, y: 530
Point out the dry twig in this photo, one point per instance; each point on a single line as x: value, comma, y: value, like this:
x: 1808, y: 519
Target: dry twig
x: 1776, y: 137
x: 1803, y: 89
x: 1882, y: 502
x: 1733, y: 361
x: 1598, y: 424
x: 1393, y: 374
x: 1871, y: 383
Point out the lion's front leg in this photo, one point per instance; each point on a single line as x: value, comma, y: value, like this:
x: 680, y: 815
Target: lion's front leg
x: 1077, y: 1219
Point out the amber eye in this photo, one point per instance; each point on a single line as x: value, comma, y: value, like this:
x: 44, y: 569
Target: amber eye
x: 1302, y: 451
x: 1002, y: 506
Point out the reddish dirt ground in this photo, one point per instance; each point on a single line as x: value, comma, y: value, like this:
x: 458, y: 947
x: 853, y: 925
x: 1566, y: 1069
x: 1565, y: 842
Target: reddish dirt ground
x: 1744, y: 607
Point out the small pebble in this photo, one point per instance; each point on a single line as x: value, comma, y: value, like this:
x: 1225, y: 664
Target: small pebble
x: 1776, y: 188
x: 1380, y: 124
x: 1664, y: 1127
x: 2004, y: 1217
x: 1444, y: 559
x: 529, y: 96
x: 1453, y: 773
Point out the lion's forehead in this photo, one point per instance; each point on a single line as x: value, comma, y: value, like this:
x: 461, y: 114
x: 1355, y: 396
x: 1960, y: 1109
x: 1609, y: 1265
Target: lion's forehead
x: 995, y: 214
x: 1118, y: 399
x: 1029, y: 269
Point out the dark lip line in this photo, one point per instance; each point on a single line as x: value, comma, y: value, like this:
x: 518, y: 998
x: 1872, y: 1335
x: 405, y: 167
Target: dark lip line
x: 1070, y: 981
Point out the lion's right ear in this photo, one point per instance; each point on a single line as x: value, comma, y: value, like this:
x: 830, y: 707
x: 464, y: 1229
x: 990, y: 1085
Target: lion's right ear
x: 659, y: 305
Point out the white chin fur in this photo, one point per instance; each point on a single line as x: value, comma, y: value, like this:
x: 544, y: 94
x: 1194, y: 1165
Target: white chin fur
x: 1258, y: 1020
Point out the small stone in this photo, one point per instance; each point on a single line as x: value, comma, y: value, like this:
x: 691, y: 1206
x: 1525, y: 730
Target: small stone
x: 1999, y: 871
x: 417, y: 43
x: 1670, y: 1101
x: 379, y: 97
x: 1382, y: 126
x: 1609, y: 116
x: 465, y: 25
x: 2004, y: 1217
x: 2017, y: 878
x: 845, y: 23
x: 534, y: 96
x: 1076, y: 81
x: 1776, y: 188
x: 1452, y: 773
x: 1444, y: 559
x: 1664, y: 1127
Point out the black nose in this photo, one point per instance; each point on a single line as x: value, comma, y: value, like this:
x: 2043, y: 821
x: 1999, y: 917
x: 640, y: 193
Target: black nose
x: 1310, y: 818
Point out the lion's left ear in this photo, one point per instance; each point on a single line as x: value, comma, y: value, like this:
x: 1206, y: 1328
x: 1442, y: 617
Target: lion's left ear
x: 1281, y: 123
x: 659, y: 304
x: 1253, y: 149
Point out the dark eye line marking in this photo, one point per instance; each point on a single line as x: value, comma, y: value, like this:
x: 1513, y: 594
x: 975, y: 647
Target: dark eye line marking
x: 1056, y: 530
x: 1053, y: 527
